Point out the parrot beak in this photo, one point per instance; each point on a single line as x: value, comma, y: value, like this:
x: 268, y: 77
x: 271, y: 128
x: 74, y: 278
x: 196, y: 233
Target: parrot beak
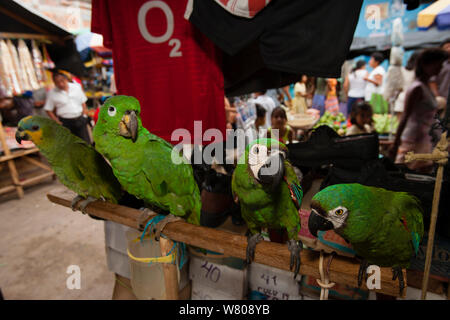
x: 128, y: 126
x: 317, y: 222
x: 272, y: 171
x: 21, y: 135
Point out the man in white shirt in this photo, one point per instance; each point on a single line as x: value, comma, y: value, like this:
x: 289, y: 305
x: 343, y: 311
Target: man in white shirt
x: 267, y: 103
x: 66, y: 104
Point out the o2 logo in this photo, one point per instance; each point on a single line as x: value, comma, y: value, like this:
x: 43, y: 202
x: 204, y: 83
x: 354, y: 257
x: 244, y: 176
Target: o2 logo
x: 167, y: 36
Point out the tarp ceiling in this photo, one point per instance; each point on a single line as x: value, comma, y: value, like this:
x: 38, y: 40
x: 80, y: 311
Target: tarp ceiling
x: 18, y: 18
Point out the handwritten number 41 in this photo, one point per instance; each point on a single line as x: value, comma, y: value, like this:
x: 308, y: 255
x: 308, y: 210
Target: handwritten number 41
x: 267, y: 278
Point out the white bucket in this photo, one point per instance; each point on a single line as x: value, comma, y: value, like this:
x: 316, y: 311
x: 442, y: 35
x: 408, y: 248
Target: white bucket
x: 147, y: 279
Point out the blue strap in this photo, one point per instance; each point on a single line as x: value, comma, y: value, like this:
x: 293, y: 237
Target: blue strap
x: 181, y: 245
x: 152, y: 221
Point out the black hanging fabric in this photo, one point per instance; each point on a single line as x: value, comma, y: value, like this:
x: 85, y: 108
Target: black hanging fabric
x: 286, y: 39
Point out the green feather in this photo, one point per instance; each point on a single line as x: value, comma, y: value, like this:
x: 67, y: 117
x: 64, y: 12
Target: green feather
x: 384, y: 227
x: 146, y: 167
x: 264, y: 208
x: 76, y: 164
x: 416, y: 241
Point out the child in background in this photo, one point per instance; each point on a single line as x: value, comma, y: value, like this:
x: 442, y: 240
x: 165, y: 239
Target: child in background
x: 332, y: 102
x: 361, y: 119
x: 279, y: 122
x: 260, y: 117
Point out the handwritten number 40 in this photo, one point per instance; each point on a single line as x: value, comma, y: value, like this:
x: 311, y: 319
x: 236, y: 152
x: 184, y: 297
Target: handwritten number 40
x: 212, y: 272
x: 142, y: 14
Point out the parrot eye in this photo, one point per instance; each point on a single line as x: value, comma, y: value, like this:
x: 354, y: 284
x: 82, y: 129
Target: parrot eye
x: 35, y: 127
x: 111, y: 111
x: 339, y: 211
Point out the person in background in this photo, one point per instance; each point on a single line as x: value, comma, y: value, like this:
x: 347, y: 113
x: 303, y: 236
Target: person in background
x: 279, y: 122
x: 287, y: 99
x: 413, y: 132
x: 375, y: 78
x: 266, y: 102
x: 440, y: 84
x: 320, y: 93
x: 66, y: 104
x: 39, y: 97
x: 260, y: 117
x: 299, y: 101
x: 408, y: 79
x: 6, y: 103
x: 310, y: 89
x: 355, y: 84
x: 230, y: 114
x: 361, y: 118
x: 332, y: 102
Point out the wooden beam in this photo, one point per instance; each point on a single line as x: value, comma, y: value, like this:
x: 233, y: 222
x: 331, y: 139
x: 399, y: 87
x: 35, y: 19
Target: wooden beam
x: 342, y: 270
x: 31, y: 36
x: 7, y: 189
x: 37, y: 179
x: 17, y: 153
x: 170, y: 271
x: 23, y: 20
x: 37, y: 163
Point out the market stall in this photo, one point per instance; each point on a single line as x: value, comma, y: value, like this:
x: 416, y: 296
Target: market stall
x: 29, y: 45
x: 331, y: 211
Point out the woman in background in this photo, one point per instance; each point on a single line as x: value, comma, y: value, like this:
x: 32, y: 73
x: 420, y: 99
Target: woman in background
x: 355, y: 85
x: 332, y: 102
x: 419, y: 114
x: 299, y: 101
x: 408, y: 79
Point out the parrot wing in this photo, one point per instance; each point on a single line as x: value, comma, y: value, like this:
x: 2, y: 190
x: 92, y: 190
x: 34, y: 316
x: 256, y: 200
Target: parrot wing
x: 250, y: 194
x: 172, y: 182
x: 411, y: 216
x: 92, y: 173
x: 295, y: 189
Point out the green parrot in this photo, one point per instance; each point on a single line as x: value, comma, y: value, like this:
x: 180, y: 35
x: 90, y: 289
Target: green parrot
x: 77, y: 165
x: 144, y: 163
x: 384, y: 227
x: 269, y: 193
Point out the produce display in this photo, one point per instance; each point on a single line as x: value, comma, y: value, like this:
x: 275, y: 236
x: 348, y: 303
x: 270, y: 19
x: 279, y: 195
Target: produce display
x: 337, y: 122
x: 382, y: 123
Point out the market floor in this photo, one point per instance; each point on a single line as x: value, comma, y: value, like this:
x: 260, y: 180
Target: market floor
x: 40, y: 240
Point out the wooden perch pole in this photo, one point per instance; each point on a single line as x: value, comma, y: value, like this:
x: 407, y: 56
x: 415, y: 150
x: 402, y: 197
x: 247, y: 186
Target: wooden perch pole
x: 440, y: 156
x: 343, y: 270
x: 170, y: 271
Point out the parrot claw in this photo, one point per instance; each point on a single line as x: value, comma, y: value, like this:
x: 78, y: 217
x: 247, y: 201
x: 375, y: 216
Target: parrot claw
x: 362, y: 273
x: 295, y: 246
x: 75, y: 201
x: 252, y: 241
x: 162, y: 224
x: 85, y: 203
x: 143, y: 217
x: 398, y: 273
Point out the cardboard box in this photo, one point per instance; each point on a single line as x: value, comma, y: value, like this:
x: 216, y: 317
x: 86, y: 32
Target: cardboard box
x: 275, y: 284
x: 339, y: 291
x: 221, y: 280
x: 440, y: 263
x: 202, y: 292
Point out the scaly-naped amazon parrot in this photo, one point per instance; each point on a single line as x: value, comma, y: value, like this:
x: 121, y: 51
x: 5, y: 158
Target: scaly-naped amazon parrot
x: 384, y: 227
x: 270, y: 195
x: 144, y: 163
x: 77, y: 165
